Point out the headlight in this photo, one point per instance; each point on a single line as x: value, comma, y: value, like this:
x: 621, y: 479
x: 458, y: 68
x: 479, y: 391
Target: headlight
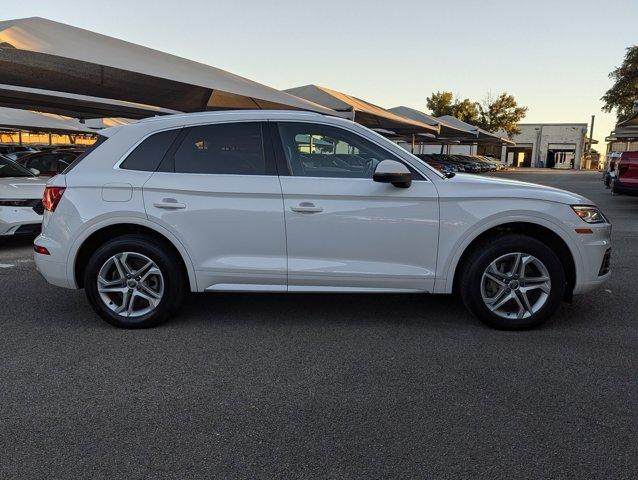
x: 589, y: 214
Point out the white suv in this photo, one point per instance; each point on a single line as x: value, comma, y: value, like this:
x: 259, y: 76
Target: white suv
x: 272, y: 201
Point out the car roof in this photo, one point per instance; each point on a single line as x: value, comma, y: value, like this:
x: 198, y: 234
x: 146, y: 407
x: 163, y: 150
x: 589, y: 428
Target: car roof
x: 198, y: 118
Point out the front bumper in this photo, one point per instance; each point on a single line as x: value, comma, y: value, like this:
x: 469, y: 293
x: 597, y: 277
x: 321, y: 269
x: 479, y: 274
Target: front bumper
x: 595, y: 250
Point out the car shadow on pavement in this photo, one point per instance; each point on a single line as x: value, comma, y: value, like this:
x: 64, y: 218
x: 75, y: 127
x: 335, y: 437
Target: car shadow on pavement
x: 407, y: 309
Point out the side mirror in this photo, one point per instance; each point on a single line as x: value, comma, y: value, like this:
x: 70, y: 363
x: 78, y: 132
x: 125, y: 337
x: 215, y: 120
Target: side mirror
x: 391, y: 171
x: 35, y: 171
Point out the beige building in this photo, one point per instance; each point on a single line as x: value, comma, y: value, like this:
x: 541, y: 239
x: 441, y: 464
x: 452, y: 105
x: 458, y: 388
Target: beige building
x: 548, y: 145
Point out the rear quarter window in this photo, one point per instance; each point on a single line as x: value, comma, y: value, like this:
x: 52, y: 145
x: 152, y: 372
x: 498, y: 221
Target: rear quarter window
x: 100, y: 140
x: 148, y: 155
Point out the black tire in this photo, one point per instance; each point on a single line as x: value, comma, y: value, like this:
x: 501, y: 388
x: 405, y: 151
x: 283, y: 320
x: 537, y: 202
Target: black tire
x: 487, y: 252
x: 175, y: 281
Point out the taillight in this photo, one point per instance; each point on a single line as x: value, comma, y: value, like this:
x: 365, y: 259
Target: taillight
x: 51, y: 197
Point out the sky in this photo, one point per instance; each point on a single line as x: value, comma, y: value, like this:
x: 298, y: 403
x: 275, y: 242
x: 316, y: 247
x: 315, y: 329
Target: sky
x: 553, y: 56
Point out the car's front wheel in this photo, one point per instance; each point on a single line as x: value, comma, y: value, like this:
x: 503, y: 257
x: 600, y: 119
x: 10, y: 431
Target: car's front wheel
x: 134, y: 281
x: 513, y: 282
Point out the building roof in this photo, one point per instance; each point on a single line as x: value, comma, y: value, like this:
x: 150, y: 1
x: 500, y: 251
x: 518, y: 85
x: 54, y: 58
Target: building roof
x: 40, y: 53
x: 363, y: 112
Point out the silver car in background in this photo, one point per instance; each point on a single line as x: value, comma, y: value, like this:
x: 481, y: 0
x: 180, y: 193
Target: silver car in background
x: 20, y: 199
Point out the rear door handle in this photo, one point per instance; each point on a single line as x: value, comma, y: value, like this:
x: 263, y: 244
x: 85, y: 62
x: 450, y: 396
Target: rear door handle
x: 169, y: 204
x: 306, y: 207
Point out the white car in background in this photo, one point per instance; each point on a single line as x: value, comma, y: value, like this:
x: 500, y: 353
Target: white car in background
x: 272, y: 201
x: 20, y: 199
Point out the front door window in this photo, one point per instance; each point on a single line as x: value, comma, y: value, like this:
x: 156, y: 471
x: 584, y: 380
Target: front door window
x: 313, y: 150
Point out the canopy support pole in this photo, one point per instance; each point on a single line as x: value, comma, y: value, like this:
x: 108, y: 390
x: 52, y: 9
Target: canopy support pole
x: 413, y: 143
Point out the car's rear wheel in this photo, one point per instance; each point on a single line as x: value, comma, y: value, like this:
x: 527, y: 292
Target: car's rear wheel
x: 134, y: 281
x: 513, y: 282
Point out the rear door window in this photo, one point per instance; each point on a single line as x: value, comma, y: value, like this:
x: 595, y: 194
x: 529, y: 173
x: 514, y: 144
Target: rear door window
x: 222, y: 149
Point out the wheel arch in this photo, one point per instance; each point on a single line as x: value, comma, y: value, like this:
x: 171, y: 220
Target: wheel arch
x: 99, y: 233
x: 536, y: 230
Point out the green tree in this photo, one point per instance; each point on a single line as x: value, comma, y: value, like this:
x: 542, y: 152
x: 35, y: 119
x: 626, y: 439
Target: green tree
x: 445, y: 103
x: 441, y: 103
x: 624, y: 91
x: 467, y: 111
x: 493, y: 114
x: 501, y: 114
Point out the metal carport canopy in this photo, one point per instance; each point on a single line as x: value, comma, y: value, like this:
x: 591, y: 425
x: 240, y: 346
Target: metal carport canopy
x: 631, y: 121
x: 40, y: 53
x: 18, y: 119
x: 365, y: 113
x: 74, y: 105
x: 446, y: 130
x: 623, y: 133
x: 483, y: 136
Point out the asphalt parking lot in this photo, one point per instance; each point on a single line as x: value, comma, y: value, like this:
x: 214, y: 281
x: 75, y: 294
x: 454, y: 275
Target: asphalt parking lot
x: 303, y: 386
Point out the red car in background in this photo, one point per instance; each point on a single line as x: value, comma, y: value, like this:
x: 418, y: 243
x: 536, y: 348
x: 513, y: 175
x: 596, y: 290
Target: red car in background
x: 626, y: 179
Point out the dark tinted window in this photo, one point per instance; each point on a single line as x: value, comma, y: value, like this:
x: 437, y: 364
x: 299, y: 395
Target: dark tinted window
x: 65, y: 159
x: 230, y: 148
x: 313, y: 150
x: 8, y: 168
x: 148, y: 154
x: 45, y: 162
x: 53, y: 162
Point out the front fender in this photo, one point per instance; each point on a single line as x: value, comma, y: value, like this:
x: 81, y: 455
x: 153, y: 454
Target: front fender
x: 454, y: 241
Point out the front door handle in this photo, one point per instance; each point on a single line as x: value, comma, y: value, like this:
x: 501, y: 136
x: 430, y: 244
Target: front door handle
x: 169, y: 204
x: 306, y: 207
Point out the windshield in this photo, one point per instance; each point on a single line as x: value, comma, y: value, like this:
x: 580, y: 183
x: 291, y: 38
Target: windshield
x: 9, y: 168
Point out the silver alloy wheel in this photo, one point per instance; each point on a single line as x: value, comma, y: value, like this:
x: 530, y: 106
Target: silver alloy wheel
x: 515, y: 285
x: 130, y: 284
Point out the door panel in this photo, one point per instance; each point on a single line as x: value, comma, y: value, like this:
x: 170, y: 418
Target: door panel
x: 231, y: 225
x: 344, y: 231
x: 217, y: 191
x: 361, y: 235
